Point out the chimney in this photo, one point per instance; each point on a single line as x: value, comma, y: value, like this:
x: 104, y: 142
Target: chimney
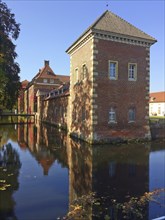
x: 46, y: 62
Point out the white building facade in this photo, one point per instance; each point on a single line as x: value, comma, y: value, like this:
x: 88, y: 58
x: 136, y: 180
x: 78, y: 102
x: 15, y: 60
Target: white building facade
x: 157, y: 104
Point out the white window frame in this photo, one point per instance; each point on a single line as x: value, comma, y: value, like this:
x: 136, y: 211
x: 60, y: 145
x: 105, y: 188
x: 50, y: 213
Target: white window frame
x: 112, y: 115
x: 113, y: 70
x: 132, y: 71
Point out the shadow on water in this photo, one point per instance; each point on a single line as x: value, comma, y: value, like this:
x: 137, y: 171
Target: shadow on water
x: 112, y: 172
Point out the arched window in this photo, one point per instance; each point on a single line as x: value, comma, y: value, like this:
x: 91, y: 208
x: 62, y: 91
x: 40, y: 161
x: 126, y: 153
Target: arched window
x: 131, y: 114
x: 112, y: 115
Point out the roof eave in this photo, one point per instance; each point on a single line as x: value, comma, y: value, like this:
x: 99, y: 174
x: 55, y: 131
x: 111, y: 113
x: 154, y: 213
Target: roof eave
x: 149, y: 40
x: 82, y: 37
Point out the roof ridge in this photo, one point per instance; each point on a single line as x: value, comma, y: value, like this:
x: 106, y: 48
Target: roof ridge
x: 116, y: 25
x: 97, y: 20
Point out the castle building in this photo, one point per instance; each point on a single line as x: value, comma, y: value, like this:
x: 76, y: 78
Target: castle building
x: 45, y: 80
x: 109, y: 81
x: 21, y: 101
x: 108, y: 98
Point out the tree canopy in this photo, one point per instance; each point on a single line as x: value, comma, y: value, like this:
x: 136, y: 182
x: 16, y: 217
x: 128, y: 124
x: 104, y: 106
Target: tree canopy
x: 9, y: 68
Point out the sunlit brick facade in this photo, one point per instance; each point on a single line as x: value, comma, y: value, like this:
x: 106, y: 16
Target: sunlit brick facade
x: 109, y: 84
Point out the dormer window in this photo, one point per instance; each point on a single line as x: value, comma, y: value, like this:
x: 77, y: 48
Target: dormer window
x: 152, y: 99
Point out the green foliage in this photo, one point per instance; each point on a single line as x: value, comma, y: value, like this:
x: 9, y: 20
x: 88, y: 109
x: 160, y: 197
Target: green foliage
x: 9, y: 69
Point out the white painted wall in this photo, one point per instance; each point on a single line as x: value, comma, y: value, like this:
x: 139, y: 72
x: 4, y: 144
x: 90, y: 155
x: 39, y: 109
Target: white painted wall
x: 157, y: 109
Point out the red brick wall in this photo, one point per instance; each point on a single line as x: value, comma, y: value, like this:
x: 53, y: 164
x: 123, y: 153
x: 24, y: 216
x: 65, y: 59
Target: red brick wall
x: 55, y: 111
x: 121, y: 93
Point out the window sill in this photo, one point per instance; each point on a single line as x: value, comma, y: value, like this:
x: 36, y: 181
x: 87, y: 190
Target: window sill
x: 112, y: 78
x: 112, y: 122
x: 130, y: 122
x: 132, y: 80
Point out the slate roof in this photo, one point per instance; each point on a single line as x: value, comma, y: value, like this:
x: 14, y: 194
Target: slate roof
x: 157, y: 97
x: 110, y: 22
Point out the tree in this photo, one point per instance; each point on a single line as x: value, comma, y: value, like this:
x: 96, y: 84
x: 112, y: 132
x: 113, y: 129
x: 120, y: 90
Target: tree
x: 9, y: 69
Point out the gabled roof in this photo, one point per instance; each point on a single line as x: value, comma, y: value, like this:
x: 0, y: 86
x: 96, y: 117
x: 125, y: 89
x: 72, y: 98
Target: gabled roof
x: 110, y: 22
x: 45, y: 72
x: 157, y: 97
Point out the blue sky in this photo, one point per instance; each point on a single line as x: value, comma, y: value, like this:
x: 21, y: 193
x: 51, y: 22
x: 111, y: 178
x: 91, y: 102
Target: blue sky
x: 48, y: 28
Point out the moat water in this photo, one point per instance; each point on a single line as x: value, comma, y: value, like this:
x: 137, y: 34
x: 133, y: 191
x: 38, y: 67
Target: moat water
x: 43, y: 172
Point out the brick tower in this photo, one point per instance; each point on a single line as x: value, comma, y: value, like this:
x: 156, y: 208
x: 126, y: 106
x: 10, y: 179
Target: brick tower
x: 109, y: 82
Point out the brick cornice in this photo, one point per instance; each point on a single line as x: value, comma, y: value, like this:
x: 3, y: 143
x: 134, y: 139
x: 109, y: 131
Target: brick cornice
x: 122, y: 38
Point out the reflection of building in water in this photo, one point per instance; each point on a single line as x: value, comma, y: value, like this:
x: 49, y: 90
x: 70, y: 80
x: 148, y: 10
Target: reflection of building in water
x: 45, y: 147
x: 116, y: 172
x: 80, y: 171
x: 120, y: 173
x: 27, y: 135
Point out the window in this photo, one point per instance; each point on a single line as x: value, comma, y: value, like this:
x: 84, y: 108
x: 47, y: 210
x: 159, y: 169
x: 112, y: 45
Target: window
x: 131, y: 115
x: 132, y: 71
x: 112, y: 115
x: 45, y: 80
x: 113, y: 69
x: 52, y: 81
x: 84, y: 71
x: 75, y: 77
x: 159, y: 110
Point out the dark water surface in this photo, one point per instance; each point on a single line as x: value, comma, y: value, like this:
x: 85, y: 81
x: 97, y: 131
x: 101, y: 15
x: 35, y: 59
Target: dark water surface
x: 42, y: 171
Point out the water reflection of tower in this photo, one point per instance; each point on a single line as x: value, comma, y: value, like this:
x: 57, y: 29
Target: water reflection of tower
x: 21, y: 136
x: 80, y: 171
x: 119, y: 173
x: 27, y: 135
